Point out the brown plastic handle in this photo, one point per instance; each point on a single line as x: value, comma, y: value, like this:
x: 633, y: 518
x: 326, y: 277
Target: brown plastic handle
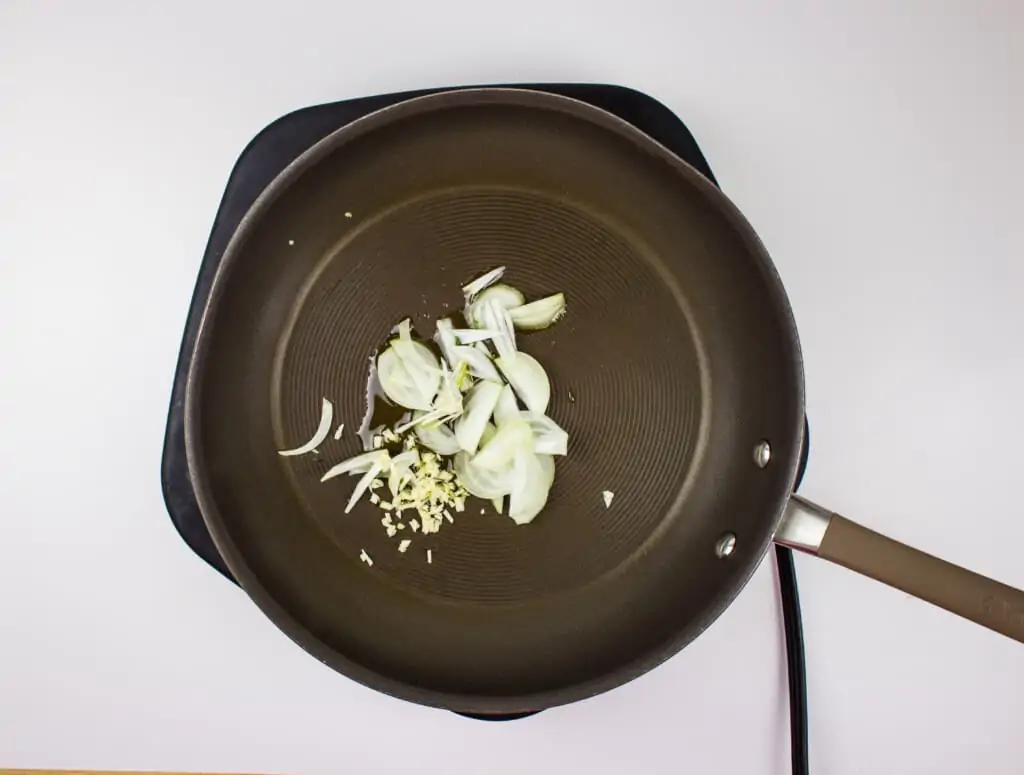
x: 963, y: 592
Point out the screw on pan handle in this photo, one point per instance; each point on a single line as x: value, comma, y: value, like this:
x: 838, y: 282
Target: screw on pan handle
x: 815, y: 530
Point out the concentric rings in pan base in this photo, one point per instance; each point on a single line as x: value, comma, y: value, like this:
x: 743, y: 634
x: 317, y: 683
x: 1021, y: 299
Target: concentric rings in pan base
x: 677, y: 356
x: 624, y: 397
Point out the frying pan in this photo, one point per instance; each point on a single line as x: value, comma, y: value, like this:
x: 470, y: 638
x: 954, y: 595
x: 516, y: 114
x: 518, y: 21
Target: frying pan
x: 677, y: 373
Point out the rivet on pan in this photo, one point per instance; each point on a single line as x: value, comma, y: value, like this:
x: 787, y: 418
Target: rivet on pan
x: 725, y: 545
x: 762, y: 454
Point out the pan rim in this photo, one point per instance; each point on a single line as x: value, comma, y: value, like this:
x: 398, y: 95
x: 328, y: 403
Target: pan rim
x: 236, y: 562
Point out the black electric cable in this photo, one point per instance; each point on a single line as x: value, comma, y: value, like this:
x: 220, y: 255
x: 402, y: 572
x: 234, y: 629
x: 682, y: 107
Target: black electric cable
x: 795, y: 666
x: 792, y: 622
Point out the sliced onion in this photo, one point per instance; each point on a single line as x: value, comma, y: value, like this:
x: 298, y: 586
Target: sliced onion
x: 410, y: 381
x: 469, y: 428
x: 548, y: 438
x: 512, y: 438
x: 480, y: 365
x: 495, y: 318
x: 489, y: 431
x: 449, y: 397
x: 538, y: 314
x: 505, y: 295
x: 445, y: 339
x: 363, y: 485
x: 479, y: 482
x: 529, y: 380
x: 420, y: 363
x: 395, y: 381
x: 463, y: 377
x: 507, y: 407
x: 447, y: 406
x: 438, y: 437
x: 401, y: 470
x: 530, y: 488
x: 481, y: 282
x: 547, y: 464
x: 324, y: 428
x: 472, y: 335
x: 359, y: 464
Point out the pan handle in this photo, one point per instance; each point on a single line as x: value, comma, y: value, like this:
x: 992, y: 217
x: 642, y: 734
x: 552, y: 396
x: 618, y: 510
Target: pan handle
x: 810, y: 528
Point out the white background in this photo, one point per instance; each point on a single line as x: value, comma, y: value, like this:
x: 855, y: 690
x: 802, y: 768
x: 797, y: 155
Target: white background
x: 877, y: 147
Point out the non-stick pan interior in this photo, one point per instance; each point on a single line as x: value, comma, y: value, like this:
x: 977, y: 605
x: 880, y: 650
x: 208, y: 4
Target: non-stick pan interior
x: 676, y: 358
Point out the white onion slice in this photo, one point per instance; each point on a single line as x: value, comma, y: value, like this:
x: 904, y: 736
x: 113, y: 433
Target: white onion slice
x: 420, y: 363
x: 479, y: 482
x: 445, y: 339
x: 438, y: 437
x: 549, y: 439
x: 495, y: 318
x: 401, y: 470
x: 505, y: 295
x: 547, y: 464
x: 538, y: 314
x: 363, y: 485
x: 449, y: 396
x: 404, y: 329
x: 410, y: 381
x: 530, y: 488
x: 472, y: 335
x: 489, y: 431
x: 359, y: 464
x: 507, y: 407
x: 480, y: 365
x: 512, y: 438
x: 528, y: 379
x: 480, y: 402
x: 447, y: 406
x: 481, y: 282
x: 324, y: 428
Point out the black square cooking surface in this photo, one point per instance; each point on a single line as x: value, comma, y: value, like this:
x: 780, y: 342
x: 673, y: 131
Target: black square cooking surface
x: 267, y: 154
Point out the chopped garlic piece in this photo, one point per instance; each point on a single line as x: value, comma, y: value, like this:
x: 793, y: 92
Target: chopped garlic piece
x: 365, y: 557
x: 374, y: 498
x: 337, y: 433
x: 414, y: 525
x: 377, y: 442
x: 608, y: 495
x: 403, y: 545
x: 430, y: 557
